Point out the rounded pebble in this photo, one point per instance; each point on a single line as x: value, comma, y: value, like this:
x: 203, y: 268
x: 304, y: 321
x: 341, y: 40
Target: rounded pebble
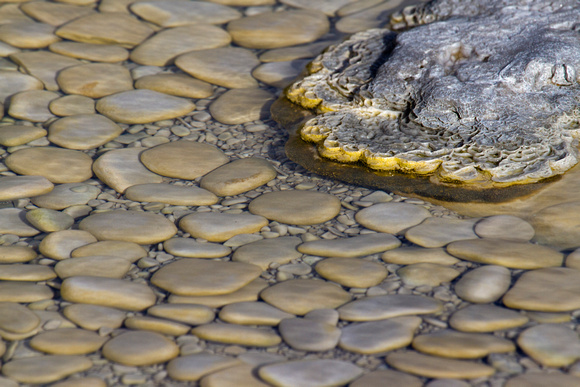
x: 140, y: 348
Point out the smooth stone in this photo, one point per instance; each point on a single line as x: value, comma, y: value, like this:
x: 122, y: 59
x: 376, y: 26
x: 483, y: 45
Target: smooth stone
x: 430, y: 274
x: 447, y: 383
x: 67, y: 195
x: 94, y: 317
x: 411, y: 255
x: 93, y: 52
x: 13, y: 221
x: 25, y: 272
x: 96, y: 266
x: 329, y: 7
x: 279, y: 74
x: 377, y: 337
x: 121, y: 169
x: 327, y: 316
x: 504, y: 227
x: 391, y: 218
x: 175, y: 13
x: 238, y: 106
x: 552, y: 345
x: 183, y: 313
x: 238, y: 177
x: 140, y: 348
x: 357, y: 246
x: 260, y: 358
x: 296, y: 207
x: 387, y: 378
x: 352, y: 272
x: 483, y: 285
x: 278, y: 29
x: 183, y: 159
x: 19, y: 187
x: 165, y: 327
x: 438, y: 232
x: 244, y: 3
x: 555, y: 289
x: 486, y: 318
x: 557, y: 226
x: 252, y: 313
x: 14, y: 135
x: 300, y: 296
x: 17, y: 318
x: 12, y: 82
x: 130, y: 226
x: 171, y: 194
x: 45, y: 369
x: 198, y: 277
x: 247, y: 293
x: 71, y: 105
x: 32, y: 105
x: 549, y: 318
x: 436, y: 367
x: 163, y: 47
x: 47, y: 220
x: 106, y: 28
x: 129, y: 251
x: 16, y: 254
x: 59, y: 245
x: 95, y: 80
x: 461, y: 345
x: 23, y: 292
x: 508, y: 253
x: 143, y: 106
x: 309, y: 335
x: 56, y: 164
x: 85, y: 382
x: 219, y: 227
x: 67, y: 341
x: 190, y: 248
x: 367, y: 18
x: 538, y: 379
x: 180, y: 85
x: 229, y: 67
x: 54, y: 14
x: 44, y: 65
x: 115, y: 293
x: 389, y: 306
x: 28, y: 34
x: 264, y: 252
x: 237, y: 334
x: 83, y: 131
x: 293, y: 53
x: 573, y: 259
x: 194, y: 367
x: 241, y: 375
x: 311, y: 372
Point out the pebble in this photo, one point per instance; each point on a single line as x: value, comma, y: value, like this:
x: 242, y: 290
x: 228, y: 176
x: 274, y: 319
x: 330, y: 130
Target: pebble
x: 165, y: 327
x: 309, y: 335
x: 16, y: 318
x: 184, y: 313
x: 537, y: 379
x: 300, y: 296
x: 241, y: 375
x: 357, y: 246
x: 180, y: 85
x: 18, y: 187
x: 49, y: 220
x: 367, y: 18
x: 23, y: 292
x: 27, y: 34
x: 44, y: 65
x: 311, y: 372
x: 265, y: 252
x: 171, y: 194
x: 14, y: 135
x: 107, y: 53
x: 549, y: 318
x: 121, y: 169
x: 190, y: 248
x: 183, y: 159
x: 388, y: 306
x: 436, y: 367
x: 26, y: 272
x: 279, y: 74
x: 486, y: 318
x: 106, y: 28
x: 278, y: 29
x: 352, y: 272
x: 483, y: 285
x: 391, y: 218
x: 219, y: 227
x: 59, y: 245
x: 71, y: 105
x: 412, y: 255
x: 556, y: 226
x: 430, y: 274
x: 56, y: 164
x: 16, y: 254
x: 66, y: 195
x: 95, y: 80
x: 12, y: 82
x: 127, y: 250
x: 94, y: 317
x: 130, y: 226
x: 85, y: 382
x: 296, y: 207
x: 377, y: 379
x: 140, y: 348
x: 95, y: 266
x: 237, y: 334
x: 32, y: 105
x: 505, y: 227
x: 461, y: 345
x: 238, y: 106
x: 229, y: 67
x: 438, y: 232
x: 54, y: 14
x: 45, y: 369
x: 552, y: 345
x: 292, y: 53
x: 377, y: 337
x: 12, y: 221
x: 143, y: 106
x: 115, y: 293
x: 194, y: 367
x: 247, y: 293
x: 238, y: 177
x: 329, y: 7
x: 194, y: 277
x: 67, y: 341
x: 252, y: 313
x: 163, y: 47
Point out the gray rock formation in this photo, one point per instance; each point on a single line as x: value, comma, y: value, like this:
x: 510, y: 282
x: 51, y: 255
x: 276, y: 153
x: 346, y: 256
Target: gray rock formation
x: 479, y: 91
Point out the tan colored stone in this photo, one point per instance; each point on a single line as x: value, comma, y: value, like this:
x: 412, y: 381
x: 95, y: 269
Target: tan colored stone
x: 391, y: 218
x: 389, y: 306
x: 436, y: 367
x: 219, y: 227
x: 171, y: 194
x: 411, y: 255
x: 47, y: 220
x: 378, y: 378
x: 184, y: 313
x: 54, y: 14
x: 95, y: 80
x: 165, y: 327
x: 68, y: 341
x: 352, y: 272
x: 16, y: 254
x: 140, y: 348
x: 94, y: 317
x: 430, y: 274
x: 357, y: 246
x: 95, y: 266
x: 438, y: 232
x: 505, y: 227
x: 453, y: 344
x: 552, y: 345
x: 484, y: 285
x: 292, y: 53
x: 329, y: 7
x: 252, y: 313
x: 247, y: 293
x: 279, y: 74
x: 59, y: 245
x: 549, y: 318
x: 190, y: 248
x: 539, y: 379
x: 23, y: 292
x: 367, y: 18
x: 16, y: 318
x: 264, y: 252
x: 32, y: 105
x: 28, y: 34
x: 83, y: 131
x: 238, y: 106
x: 26, y: 272
x: 237, y: 334
x: 311, y: 372
x: 17, y: 187
x: 43, y: 65
x: 93, y: 52
x: 309, y: 335
x: 127, y: 250
x: 85, y: 382
x: 13, y: 221
x: 180, y: 85
x: 486, y: 318
x: 557, y: 226
x: 67, y: 195
x: 233, y: 376
x: 12, y: 82
x: 71, y: 105
x: 45, y: 369
x: 14, y: 135
x: 175, y: 13
x: 238, y: 177
x: 194, y: 367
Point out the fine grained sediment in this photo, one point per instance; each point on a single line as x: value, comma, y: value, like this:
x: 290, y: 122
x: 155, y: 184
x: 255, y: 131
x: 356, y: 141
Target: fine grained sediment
x: 481, y: 92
